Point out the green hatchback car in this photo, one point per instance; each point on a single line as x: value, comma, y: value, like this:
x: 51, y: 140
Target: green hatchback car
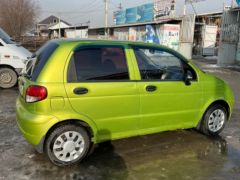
x: 76, y: 93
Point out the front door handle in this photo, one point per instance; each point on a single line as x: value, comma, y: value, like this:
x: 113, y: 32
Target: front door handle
x: 80, y: 91
x: 151, y: 88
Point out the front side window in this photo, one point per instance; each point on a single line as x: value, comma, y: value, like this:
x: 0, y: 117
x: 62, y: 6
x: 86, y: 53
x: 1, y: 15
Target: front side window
x: 157, y: 64
x: 98, y: 64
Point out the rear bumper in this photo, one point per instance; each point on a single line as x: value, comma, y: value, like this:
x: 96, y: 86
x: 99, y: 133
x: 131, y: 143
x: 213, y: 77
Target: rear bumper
x: 34, y: 127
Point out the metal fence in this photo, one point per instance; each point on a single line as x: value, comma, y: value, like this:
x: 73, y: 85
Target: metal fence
x: 32, y: 43
x: 230, y: 27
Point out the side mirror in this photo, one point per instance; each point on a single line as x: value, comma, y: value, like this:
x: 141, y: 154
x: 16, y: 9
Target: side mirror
x: 188, y: 78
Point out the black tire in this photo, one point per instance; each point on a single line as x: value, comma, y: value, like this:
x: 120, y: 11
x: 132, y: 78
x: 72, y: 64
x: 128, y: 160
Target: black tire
x: 57, y: 133
x: 8, y: 78
x: 205, y: 127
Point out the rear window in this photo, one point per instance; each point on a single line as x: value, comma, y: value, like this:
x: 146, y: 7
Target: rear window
x: 39, y: 59
x: 98, y: 64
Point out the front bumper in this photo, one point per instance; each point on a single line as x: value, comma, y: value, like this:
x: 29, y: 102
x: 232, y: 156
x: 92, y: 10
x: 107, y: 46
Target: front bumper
x: 19, y: 71
x: 33, y: 126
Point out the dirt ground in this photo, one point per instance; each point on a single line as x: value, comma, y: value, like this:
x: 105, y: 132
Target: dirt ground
x: 182, y: 154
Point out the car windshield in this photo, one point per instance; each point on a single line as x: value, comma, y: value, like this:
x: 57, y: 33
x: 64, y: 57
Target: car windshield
x: 5, y: 37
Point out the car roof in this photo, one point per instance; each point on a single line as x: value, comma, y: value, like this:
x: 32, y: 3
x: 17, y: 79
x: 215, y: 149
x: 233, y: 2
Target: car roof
x: 76, y: 41
x: 104, y: 41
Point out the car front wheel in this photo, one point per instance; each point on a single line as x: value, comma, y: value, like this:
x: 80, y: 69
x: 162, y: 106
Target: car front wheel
x: 214, y: 120
x: 8, y: 78
x: 67, y: 145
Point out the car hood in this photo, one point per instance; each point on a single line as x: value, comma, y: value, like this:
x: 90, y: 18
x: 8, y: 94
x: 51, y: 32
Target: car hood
x: 17, y: 50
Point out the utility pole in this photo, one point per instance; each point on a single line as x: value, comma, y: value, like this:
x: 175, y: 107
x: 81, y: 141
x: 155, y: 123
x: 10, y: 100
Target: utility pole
x: 106, y: 17
x: 185, y: 6
x: 191, y: 3
x: 59, y: 28
x: 120, y: 6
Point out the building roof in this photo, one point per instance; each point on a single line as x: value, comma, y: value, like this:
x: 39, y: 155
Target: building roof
x: 162, y: 21
x: 52, y: 20
x: 60, y: 25
x: 216, y: 13
x: 64, y: 26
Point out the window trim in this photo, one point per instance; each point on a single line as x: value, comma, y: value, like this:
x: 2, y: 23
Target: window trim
x: 86, y: 46
x: 182, y: 59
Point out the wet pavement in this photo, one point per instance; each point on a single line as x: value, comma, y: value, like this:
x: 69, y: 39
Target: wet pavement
x: 182, y: 154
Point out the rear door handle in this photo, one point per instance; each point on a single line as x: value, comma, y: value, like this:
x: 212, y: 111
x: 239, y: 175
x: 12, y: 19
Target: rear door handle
x: 80, y: 91
x: 151, y: 88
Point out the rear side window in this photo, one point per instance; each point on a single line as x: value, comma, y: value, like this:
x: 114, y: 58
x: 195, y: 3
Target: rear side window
x: 98, y: 64
x: 39, y: 60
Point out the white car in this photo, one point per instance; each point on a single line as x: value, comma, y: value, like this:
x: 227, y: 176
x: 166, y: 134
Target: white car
x: 12, y: 60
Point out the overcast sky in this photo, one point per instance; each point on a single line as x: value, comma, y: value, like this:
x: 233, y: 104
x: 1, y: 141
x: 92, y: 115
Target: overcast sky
x: 80, y: 11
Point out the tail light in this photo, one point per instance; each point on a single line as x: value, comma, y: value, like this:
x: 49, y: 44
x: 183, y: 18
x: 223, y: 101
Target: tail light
x: 35, y: 94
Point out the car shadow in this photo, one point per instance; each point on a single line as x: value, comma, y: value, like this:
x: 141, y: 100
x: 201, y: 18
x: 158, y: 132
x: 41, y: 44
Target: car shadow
x: 103, y: 163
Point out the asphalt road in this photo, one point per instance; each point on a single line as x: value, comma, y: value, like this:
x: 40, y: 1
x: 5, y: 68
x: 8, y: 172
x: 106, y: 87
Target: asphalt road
x: 182, y: 154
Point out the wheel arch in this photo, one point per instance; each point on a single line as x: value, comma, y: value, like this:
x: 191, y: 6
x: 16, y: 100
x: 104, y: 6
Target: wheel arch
x: 92, y: 132
x: 8, y: 66
x: 220, y: 102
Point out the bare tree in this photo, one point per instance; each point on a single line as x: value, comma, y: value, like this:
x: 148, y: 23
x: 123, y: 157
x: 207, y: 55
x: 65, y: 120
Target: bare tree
x: 18, y: 16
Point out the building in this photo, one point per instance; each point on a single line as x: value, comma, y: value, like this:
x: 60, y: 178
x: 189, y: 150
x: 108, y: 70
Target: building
x: 157, y: 22
x: 207, y: 34
x: 42, y: 27
x: 77, y: 31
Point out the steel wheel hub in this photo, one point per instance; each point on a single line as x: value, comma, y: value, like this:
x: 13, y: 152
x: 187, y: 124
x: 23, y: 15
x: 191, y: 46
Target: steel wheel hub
x: 216, y: 120
x: 5, y: 77
x: 68, y: 146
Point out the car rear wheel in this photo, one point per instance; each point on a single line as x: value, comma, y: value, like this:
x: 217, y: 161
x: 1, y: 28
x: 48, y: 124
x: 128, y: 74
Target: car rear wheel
x: 67, y: 145
x: 8, y: 78
x: 214, y: 120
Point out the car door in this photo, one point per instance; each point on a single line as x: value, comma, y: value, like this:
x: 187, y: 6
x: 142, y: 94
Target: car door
x: 167, y: 102
x: 99, y: 86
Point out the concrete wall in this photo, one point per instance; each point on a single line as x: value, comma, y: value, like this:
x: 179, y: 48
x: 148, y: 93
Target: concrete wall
x: 76, y: 33
x: 186, y: 36
x: 227, y: 54
x: 186, y: 49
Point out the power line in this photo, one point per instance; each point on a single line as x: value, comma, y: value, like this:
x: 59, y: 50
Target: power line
x: 96, y: 10
x: 195, y: 12
x: 89, y: 8
x: 118, y: 6
x: 92, y: 7
x: 112, y: 3
x: 74, y: 17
